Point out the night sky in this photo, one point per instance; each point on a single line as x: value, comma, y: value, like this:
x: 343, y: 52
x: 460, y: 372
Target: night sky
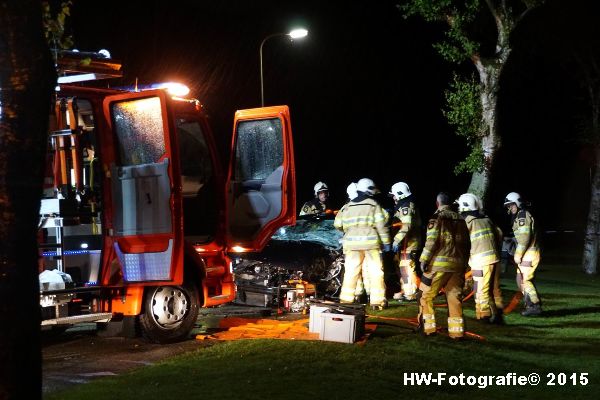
x: 365, y: 90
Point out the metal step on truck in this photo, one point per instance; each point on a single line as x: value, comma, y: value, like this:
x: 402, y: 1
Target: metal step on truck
x: 138, y: 217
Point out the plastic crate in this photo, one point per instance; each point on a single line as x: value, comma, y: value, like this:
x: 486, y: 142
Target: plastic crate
x: 343, y: 328
x: 314, y: 321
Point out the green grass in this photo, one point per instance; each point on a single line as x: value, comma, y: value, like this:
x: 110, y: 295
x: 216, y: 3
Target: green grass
x: 566, y: 339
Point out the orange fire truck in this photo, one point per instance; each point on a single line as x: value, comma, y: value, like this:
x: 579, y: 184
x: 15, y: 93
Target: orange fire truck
x: 137, y: 211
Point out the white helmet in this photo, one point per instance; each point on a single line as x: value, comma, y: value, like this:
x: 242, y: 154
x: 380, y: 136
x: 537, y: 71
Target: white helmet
x: 320, y: 187
x: 351, y: 190
x: 400, y: 190
x: 367, y: 186
x: 513, y: 197
x: 468, y: 202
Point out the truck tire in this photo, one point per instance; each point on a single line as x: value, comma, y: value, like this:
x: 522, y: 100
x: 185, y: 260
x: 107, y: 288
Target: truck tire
x: 170, y: 313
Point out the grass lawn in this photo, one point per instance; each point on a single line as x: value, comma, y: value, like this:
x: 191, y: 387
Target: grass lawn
x: 566, y: 339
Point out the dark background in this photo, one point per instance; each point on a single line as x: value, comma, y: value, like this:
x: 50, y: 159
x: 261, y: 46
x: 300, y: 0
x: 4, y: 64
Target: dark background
x: 365, y: 90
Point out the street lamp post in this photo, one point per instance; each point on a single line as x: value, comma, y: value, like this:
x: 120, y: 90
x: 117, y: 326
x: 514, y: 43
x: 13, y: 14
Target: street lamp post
x: 294, y: 34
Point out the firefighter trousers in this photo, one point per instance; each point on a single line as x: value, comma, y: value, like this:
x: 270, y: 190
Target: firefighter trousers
x: 353, y: 265
x: 525, y: 276
x: 408, y: 275
x: 363, y: 282
x: 431, y: 283
x: 488, y: 296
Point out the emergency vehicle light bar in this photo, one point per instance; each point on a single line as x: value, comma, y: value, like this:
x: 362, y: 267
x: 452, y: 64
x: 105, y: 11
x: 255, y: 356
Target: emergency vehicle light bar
x: 79, y: 66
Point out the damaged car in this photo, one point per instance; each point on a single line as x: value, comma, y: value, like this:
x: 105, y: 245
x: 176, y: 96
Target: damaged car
x: 300, y: 261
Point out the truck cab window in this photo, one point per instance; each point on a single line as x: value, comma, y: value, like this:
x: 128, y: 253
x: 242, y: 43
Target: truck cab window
x: 259, y: 149
x: 198, y: 187
x: 140, y: 131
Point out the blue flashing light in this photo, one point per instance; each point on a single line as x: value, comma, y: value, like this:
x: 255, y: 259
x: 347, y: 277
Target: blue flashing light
x: 70, y: 252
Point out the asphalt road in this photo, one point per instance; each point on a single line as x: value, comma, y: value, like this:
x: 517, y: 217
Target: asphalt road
x: 81, y: 354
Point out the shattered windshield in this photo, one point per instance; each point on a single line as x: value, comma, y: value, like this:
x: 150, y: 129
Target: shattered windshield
x: 316, y: 231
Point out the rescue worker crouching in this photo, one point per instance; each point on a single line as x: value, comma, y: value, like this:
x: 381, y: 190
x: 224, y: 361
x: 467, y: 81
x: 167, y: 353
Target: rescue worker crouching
x: 443, y: 263
x: 363, y: 222
x: 527, y: 253
x: 320, y: 203
x: 408, y: 239
x: 484, y: 260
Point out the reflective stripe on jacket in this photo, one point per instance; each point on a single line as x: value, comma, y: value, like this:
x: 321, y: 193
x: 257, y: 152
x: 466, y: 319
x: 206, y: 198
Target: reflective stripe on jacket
x: 313, y: 206
x: 410, y: 231
x: 526, y: 236
x: 363, y: 224
x: 447, y: 245
x: 485, y: 240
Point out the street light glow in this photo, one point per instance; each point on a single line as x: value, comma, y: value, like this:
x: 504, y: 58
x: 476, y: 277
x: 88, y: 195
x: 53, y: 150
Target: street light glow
x: 294, y: 34
x: 298, y: 33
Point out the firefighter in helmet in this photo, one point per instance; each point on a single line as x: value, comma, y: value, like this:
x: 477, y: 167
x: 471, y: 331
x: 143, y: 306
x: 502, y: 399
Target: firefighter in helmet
x: 320, y: 203
x: 443, y: 263
x: 408, y: 239
x: 363, y: 222
x: 362, y: 286
x: 486, y: 239
x: 527, y: 253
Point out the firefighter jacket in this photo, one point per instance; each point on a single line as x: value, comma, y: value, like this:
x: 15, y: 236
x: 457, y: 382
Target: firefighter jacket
x: 364, y: 224
x: 486, y: 239
x: 313, y: 206
x: 447, y: 244
x: 526, y: 236
x: 409, y: 234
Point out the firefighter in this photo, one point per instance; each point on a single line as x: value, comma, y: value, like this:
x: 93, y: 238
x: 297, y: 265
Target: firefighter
x: 320, y: 203
x: 527, y: 253
x: 362, y: 285
x: 408, y: 239
x: 443, y: 262
x: 486, y: 239
x: 363, y: 222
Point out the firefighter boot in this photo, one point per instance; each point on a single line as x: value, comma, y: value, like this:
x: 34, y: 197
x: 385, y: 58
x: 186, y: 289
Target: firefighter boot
x: 531, y: 309
x: 497, y: 318
x: 379, y: 307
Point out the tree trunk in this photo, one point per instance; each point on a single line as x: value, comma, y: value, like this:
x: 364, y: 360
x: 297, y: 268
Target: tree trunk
x: 592, y: 233
x: 25, y: 90
x: 489, y: 76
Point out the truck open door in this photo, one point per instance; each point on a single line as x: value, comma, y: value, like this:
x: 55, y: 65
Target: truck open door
x: 143, y: 216
x: 260, y: 187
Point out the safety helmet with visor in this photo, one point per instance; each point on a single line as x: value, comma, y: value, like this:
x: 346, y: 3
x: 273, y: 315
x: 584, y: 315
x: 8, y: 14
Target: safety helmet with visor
x: 513, y: 197
x: 400, y: 190
x: 367, y: 186
x: 320, y: 187
x: 468, y: 202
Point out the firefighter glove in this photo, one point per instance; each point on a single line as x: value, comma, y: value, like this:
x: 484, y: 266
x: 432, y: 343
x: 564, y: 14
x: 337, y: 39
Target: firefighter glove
x: 424, y: 267
x: 395, y: 247
x: 387, y: 248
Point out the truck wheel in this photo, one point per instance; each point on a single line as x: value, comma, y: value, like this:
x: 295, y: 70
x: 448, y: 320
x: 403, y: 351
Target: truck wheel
x: 170, y: 313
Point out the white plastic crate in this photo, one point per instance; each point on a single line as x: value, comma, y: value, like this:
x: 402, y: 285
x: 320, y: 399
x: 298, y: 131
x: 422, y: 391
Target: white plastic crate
x: 314, y: 321
x: 344, y: 328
